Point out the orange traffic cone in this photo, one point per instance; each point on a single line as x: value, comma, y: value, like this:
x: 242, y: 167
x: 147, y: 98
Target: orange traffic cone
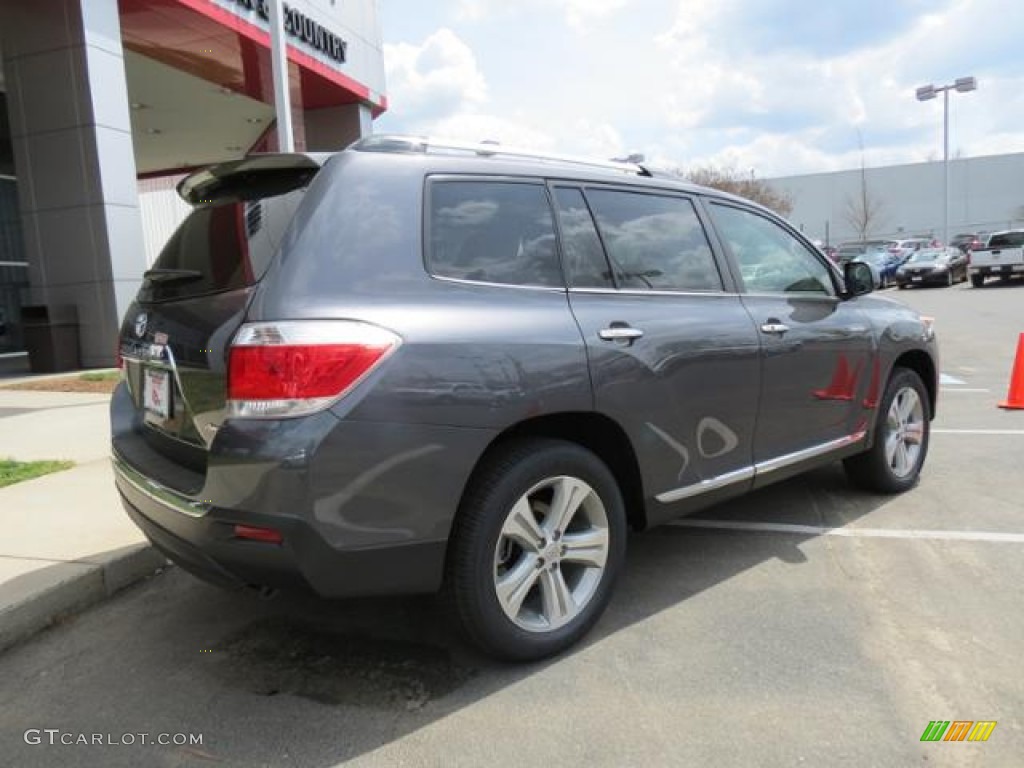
x: 1015, y: 397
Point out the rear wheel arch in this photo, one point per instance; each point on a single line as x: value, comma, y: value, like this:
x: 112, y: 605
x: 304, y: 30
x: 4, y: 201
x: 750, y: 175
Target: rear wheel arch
x: 597, y: 433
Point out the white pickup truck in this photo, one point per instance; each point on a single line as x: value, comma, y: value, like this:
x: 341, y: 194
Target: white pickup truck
x: 1002, y: 256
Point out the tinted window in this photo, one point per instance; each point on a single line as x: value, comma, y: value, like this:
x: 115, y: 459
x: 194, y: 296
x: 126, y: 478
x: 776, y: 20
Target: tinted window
x: 1007, y: 240
x: 654, y: 242
x: 495, y: 232
x: 770, y: 259
x: 228, y: 245
x: 584, y: 259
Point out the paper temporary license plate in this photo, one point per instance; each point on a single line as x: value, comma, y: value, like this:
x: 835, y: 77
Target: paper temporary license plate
x: 156, y: 392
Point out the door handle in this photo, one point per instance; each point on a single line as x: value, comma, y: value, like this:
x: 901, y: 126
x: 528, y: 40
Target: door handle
x: 774, y: 328
x: 620, y: 333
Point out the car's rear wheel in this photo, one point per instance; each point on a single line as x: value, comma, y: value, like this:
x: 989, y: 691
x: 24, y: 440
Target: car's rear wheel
x: 536, y: 548
x: 894, y: 461
x: 977, y: 280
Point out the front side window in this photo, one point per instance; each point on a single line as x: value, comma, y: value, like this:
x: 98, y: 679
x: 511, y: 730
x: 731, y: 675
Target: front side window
x: 770, y: 259
x: 654, y: 242
x: 492, y: 232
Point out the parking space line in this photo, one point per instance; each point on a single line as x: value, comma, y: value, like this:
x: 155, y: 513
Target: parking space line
x: 963, y: 389
x: 978, y: 431
x: 868, y: 533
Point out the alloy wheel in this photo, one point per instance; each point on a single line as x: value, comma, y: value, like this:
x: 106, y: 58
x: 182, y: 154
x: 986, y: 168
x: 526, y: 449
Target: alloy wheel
x: 904, y: 432
x: 551, y: 553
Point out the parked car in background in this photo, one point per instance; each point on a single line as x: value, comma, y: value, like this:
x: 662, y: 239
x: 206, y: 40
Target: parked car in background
x: 966, y: 242
x: 410, y: 367
x: 1001, y: 256
x: 849, y: 251
x: 931, y: 266
x: 828, y: 250
x: 903, y: 249
x: 874, y: 253
x: 883, y: 265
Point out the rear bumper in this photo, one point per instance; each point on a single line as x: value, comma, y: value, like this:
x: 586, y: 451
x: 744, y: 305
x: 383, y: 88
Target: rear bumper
x: 200, y: 538
x: 992, y: 270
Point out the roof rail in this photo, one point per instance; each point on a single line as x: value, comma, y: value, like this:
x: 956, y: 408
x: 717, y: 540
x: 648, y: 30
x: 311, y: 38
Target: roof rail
x: 434, y: 145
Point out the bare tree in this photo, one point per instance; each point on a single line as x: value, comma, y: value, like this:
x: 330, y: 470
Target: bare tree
x: 864, y: 211
x: 728, y: 179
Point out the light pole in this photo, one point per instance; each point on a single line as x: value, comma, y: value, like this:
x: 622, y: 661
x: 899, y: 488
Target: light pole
x: 926, y: 93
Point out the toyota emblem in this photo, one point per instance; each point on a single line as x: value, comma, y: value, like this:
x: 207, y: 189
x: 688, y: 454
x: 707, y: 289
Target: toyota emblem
x: 140, y: 324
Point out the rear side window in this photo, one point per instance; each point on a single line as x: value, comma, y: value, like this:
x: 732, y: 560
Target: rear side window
x: 226, y: 246
x: 654, y: 242
x: 492, y: 232
x: 585, y: 263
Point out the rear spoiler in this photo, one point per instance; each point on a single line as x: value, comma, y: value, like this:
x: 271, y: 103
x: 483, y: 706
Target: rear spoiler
x: 250, y: 178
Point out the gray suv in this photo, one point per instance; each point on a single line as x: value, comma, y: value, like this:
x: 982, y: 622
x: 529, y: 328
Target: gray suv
x: 412, y: 367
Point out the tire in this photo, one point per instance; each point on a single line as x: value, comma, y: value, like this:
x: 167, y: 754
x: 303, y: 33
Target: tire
x: 949, y: 279
x: 901, y: 286
x: 505, y: 534
x: 902, y: 428
x: 977, y: 280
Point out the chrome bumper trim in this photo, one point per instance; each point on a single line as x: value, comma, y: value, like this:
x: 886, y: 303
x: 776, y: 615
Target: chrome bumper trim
x: 161, y: 494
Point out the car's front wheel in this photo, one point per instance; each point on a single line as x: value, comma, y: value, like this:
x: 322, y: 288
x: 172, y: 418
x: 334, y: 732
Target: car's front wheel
x: 977, y: 280
x: 902, y: 429
x: 538, y: 542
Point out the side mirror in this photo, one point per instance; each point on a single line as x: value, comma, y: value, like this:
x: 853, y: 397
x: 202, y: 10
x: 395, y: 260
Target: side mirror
x: 859, y: 278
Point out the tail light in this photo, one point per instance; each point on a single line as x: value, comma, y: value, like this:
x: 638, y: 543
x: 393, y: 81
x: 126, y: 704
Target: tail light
x: 297, y: 367
x: 256, y: 533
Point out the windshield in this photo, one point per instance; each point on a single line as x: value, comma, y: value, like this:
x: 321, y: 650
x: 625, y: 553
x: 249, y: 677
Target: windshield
x: 928, y: 256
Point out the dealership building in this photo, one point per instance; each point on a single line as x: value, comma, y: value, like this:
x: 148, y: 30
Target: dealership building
x: 906, y: 200
x: 105, y: 104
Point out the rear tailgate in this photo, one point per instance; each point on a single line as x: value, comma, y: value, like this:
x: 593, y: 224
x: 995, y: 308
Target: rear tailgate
x: 174, y: 338
x: 1004, y: 249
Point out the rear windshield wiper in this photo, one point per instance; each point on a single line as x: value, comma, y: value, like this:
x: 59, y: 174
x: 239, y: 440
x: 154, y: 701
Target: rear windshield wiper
x: 163, y: 275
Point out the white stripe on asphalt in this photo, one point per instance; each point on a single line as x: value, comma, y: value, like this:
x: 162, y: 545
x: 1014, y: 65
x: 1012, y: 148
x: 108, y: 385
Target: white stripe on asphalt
x: 978, y: 431
x: 963, y: 389
x: 945, y: 378
x: 876, y: 533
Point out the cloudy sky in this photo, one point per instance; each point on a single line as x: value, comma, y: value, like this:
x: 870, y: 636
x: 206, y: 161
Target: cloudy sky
x: 775, y: 86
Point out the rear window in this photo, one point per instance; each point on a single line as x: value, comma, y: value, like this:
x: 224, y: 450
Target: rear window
x: 1007, y: 240
x: 654, y: 242
x: 492, y: 232
x: 220, y: 247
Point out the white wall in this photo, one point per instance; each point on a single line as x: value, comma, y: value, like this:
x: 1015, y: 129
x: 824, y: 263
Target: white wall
x: 985, y: 193
x: 355, y: 21
x: 162, y: 212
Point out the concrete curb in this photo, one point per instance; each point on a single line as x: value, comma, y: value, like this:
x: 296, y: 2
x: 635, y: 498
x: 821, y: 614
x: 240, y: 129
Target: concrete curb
x: 63, y: 589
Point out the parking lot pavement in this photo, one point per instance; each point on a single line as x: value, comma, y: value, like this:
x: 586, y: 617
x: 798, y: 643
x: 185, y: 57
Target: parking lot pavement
x: 741, y: 642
